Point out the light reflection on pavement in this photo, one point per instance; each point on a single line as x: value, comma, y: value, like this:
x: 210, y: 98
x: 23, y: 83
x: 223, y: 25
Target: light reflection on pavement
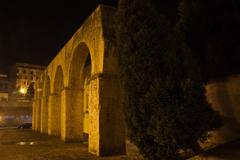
x: 26, y: 143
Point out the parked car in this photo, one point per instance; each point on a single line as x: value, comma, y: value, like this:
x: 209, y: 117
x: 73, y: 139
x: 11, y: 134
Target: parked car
x: 25, y: 126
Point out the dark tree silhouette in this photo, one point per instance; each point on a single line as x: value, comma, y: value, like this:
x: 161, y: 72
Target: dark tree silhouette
x: 30, y: 91
x: 167, y: 109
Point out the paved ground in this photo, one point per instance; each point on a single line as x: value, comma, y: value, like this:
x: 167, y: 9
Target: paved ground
x: 17, y: 144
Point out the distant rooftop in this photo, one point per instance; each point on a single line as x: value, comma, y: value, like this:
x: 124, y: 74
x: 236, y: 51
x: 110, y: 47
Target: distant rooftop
x: 27, y: 65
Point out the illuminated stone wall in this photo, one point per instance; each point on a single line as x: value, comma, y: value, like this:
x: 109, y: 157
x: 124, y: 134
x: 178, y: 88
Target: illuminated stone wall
x: 224, y: 96
x: 82, y: 100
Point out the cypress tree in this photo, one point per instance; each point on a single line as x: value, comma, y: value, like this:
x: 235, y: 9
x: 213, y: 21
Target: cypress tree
x: 166, y: 110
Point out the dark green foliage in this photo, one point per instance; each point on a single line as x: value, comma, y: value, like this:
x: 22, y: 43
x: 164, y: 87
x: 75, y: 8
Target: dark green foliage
x: 212, y: 32
x: 30, y: 91
x: 167, y: 110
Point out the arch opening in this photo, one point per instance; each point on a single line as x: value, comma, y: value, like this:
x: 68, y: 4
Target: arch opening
x: 56, y: 107
x: 45, y: 105
x: 86, y: 88
x: 38, y: 93
x: 79, y: 81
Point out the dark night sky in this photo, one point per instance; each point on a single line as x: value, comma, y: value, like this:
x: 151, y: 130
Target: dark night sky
x: 35, y: 32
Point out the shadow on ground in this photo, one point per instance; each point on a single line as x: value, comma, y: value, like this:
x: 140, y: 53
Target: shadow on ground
x: 228, y: 151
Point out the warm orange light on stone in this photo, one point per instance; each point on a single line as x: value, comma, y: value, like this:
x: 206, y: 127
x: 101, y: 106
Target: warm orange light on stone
x: 81, y: 97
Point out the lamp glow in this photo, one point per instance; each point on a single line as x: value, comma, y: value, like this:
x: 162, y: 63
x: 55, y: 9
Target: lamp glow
x: 23, y: 90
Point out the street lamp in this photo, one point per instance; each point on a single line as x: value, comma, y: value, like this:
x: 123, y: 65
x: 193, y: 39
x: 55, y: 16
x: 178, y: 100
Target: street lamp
x: 23, y: 90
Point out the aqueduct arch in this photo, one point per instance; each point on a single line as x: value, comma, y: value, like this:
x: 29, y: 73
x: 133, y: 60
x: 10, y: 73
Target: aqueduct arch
x: 55, y: 107
x: 81, y: 93
x: 44, y: 108
x: 37, y: 111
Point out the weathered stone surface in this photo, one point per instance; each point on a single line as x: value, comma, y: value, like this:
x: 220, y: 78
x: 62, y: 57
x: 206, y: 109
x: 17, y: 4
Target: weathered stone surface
x: 83, y: 97
x: 43, y: 114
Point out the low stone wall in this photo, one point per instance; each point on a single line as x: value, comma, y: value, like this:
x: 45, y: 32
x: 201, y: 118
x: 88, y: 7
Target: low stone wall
x: 17, y: 111
x: 13, y: 113
x: 15, y: 103
x: 224, y: 96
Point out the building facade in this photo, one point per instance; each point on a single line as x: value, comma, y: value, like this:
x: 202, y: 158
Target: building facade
x: 15, y: 102
x: 25, y: 75
x: 4, y: 87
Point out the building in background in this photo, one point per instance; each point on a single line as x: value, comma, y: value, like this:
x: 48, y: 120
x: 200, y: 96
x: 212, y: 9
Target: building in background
x: 4, y: 87
x: 22, y: 75
x: 15, y: 101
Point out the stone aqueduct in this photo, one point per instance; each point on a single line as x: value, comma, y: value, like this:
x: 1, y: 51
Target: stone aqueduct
x: 78, y: 96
